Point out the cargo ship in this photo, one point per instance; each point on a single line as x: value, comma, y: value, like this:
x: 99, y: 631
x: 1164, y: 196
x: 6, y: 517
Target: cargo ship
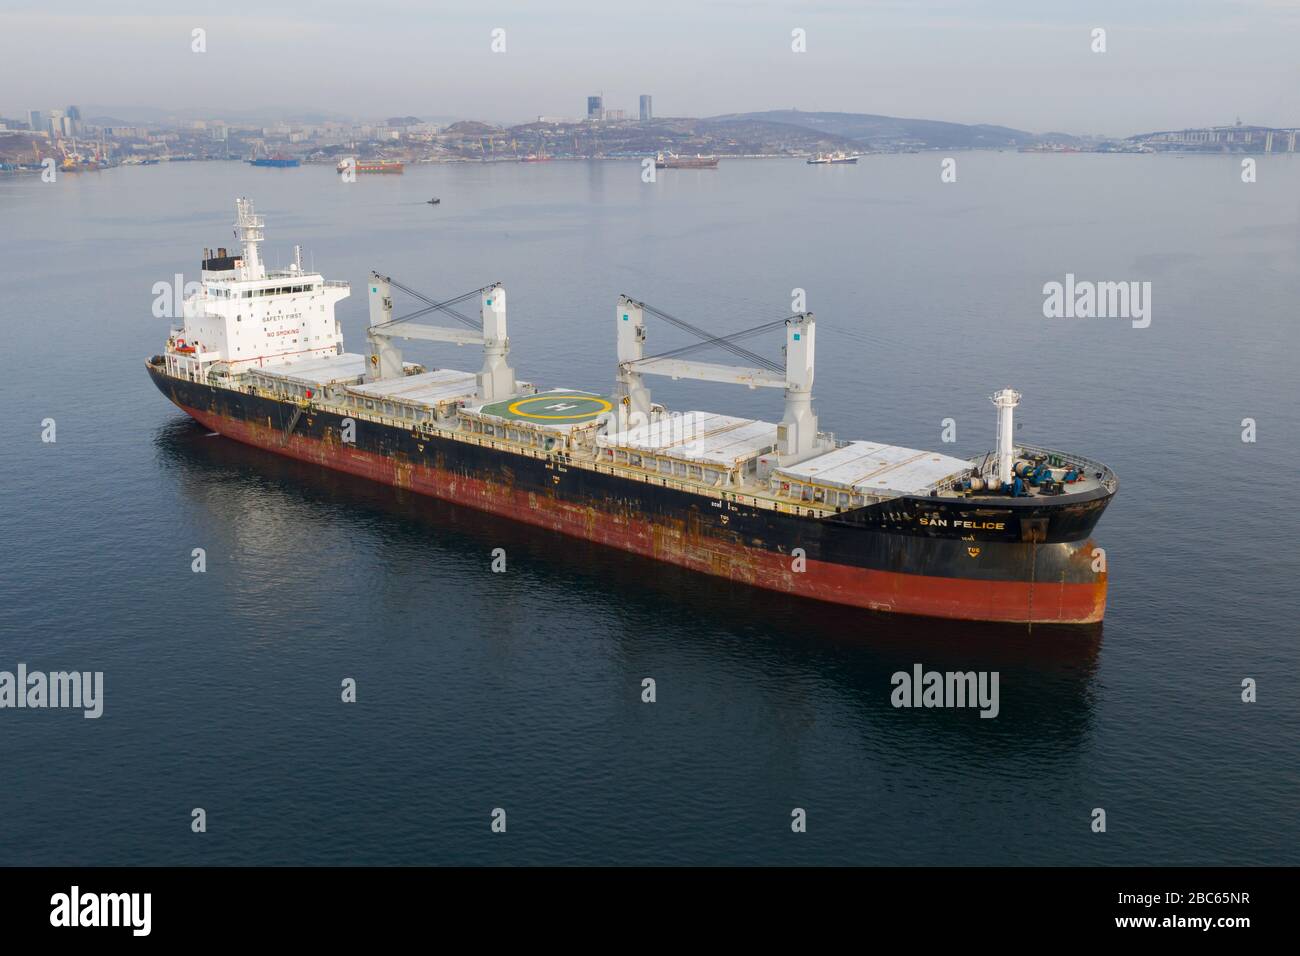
x: 1002, y: 536
x: 673, y: 161
x: 371, y: 165
x: 832, y: 159
x: 278, y: 161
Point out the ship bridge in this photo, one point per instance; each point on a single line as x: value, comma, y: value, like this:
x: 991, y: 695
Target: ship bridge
x: 244, y: 316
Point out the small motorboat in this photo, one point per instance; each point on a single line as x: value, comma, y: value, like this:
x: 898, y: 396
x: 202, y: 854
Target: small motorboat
x: 434, y: 201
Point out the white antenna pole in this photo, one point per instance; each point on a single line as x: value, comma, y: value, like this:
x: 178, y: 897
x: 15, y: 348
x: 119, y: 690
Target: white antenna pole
x: 249, y: 229
x: 1006, y: 402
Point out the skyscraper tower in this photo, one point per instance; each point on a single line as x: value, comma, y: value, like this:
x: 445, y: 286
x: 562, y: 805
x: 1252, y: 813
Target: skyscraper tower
x: 595, y: 107
x: 646, y: 112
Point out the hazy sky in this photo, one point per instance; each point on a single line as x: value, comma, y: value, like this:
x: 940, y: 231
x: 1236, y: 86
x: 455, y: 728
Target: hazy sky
x: 1021, y: 63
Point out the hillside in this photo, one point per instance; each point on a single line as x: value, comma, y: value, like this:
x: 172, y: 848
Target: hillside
x: 868, y: 130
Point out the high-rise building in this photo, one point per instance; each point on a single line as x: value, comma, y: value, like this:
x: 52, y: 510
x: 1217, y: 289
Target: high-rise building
x: 36, y: 120
x: 646, y: 112
x: 74, y: 117
x: 595, y: 107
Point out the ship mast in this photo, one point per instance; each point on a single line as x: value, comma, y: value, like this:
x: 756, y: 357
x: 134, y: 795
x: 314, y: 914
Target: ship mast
x: 248, y: 229
x: 1006, y: 401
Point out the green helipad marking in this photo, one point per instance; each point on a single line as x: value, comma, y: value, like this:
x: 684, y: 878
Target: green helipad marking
x: 560, y: 408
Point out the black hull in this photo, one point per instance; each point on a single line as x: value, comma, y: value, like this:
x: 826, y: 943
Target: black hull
x: 1019, y: 542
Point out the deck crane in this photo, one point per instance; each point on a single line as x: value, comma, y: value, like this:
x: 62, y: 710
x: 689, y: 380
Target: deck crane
x: 495, y: 382
x: 797, y: 435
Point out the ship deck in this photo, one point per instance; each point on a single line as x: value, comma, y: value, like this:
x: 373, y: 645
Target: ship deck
x: 705, y: 438
x: 696, y: 448
x: 871, y: 468
x: 344, y: 368
x: 434, y: 388
x: 1093, y: 477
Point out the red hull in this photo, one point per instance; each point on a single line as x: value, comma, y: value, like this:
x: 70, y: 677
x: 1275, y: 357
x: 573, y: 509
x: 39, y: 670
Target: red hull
x: 958, y: 598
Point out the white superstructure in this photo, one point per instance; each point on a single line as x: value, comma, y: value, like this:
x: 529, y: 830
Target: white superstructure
x: 245, y: 316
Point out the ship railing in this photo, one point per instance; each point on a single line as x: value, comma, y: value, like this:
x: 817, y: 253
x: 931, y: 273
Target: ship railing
x: 337, y: 284
x: 986, y: 464
x: 722, y: 494
x: 1088, y: 465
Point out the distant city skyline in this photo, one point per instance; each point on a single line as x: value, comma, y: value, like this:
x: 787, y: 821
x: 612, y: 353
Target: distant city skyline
x: 1168, y: 64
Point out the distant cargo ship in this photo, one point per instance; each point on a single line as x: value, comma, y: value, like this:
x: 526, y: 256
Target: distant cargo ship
x: 673, y: 161
x: 278, y: 161
x: 1003, y: 536
x: 831, y: 159
x: 371, y: 165
x: 1050, y: 148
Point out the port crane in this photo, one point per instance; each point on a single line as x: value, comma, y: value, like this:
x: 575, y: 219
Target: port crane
x: 797, y: 435
x: 495, y: 382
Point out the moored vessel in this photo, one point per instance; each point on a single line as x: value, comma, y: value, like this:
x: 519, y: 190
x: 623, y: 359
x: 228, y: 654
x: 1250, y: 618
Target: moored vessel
x: 277, y: 161
x: 382, y: 166
x: 673, y: 161
x: 832, y: 159
x: 1002, y: 536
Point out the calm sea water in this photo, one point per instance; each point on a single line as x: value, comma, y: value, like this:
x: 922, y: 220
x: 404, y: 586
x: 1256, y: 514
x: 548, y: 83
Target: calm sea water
x: 522, y: 691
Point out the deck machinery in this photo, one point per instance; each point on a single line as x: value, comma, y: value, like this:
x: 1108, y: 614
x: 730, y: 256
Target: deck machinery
x: 1003, y: 536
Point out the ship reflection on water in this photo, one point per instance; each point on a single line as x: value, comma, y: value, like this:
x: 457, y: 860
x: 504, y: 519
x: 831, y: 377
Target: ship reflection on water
x: 1046, y: 673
